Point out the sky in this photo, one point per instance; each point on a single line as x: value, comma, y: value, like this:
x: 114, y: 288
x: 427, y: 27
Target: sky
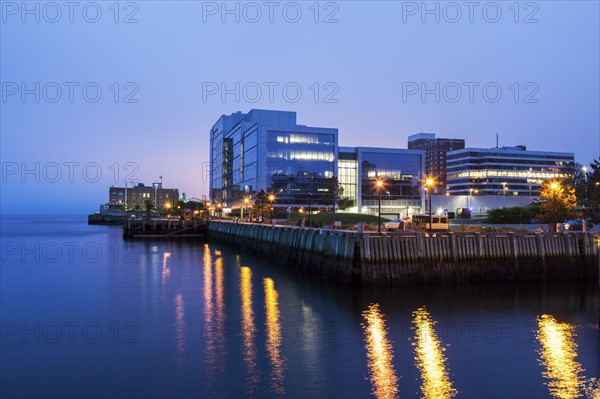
x: 96, y: 93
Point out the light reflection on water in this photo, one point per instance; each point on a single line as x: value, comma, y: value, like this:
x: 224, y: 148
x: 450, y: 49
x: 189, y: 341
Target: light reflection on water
x: 273, y: 331
x: 380, y: 354
x: 430, y: 359
x: 557, y: 354
x: 165, y: 268
x: 212, y: 333
x: 180, y: 328
x: 248, y: 330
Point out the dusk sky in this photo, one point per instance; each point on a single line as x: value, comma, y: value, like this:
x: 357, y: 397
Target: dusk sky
x: 361, y: 67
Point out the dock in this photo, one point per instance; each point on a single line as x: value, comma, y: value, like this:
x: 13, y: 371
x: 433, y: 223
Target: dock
x: 417, y: 256
x: 164, y: 228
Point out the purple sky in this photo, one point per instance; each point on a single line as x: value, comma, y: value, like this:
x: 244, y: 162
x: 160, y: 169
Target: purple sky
x: 361, y: 68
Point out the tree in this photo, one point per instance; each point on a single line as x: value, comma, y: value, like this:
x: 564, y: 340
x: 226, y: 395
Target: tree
x: 149, y: 206
x: 260, y: 203
x: 587, y: 188
x: 558, y: 202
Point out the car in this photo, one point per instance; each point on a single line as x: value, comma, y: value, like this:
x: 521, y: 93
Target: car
x: 392, y: 224
x: 577, y: 225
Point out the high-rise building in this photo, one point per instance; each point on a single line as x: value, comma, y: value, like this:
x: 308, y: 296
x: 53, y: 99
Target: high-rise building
x: 267, y: 150
x: 401, y: 172
x: 436, y: 150
x: 504, y: 170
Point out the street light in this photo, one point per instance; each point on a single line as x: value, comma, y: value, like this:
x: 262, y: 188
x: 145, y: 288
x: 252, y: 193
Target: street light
x: 309, y: 204
x: 469, y: 200
x: 379, y: 185
x: 246, y: 201
x: 271, y: 199
x: 554, y: 186
x: 430, y: 184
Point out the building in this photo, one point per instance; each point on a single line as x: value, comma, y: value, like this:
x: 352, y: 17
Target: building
x: 135, y: 197
x: 267, y: 150
x: 402, y: 173
x: 504, y: 170
x: 436, y: 150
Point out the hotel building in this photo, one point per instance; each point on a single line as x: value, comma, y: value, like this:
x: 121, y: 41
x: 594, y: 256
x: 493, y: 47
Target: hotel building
x: 504, y: 171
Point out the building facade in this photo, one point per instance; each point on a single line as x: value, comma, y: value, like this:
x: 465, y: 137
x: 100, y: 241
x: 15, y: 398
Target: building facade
x: 505, y: 170
x: 267, y: 150
x: 436, y: 150
x: 400, y: 170
x: 128, y: 198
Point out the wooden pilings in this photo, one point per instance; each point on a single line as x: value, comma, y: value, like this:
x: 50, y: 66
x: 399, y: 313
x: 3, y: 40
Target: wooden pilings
x: 381, y: 258
x: 152, y: 228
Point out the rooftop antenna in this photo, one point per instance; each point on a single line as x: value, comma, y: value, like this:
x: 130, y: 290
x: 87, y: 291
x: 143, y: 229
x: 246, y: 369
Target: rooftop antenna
x: 496, y: 139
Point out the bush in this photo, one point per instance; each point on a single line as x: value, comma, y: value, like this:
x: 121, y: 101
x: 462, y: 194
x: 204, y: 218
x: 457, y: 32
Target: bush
x: 514, y: 215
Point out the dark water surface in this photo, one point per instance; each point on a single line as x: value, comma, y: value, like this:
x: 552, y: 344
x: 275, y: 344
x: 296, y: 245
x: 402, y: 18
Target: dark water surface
x: 85, y: 314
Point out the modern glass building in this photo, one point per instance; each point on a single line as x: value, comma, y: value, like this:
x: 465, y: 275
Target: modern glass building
x: 504, y: 170
x: 402, y: 172
x: 268, y: 150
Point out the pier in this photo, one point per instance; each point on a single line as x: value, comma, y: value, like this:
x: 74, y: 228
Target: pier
x: 416, y: 256
x: 163, y: 228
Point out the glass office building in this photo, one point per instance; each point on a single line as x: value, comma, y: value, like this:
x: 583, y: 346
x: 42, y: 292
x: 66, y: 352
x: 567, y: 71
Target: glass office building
x: 268, y: 150
x: 402, y: 173
x: 505, y: 170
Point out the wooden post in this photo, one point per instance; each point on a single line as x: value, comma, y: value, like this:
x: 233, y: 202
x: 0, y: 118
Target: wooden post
x: 539, y: 245
x: 479, y: 244
x: 452, y: 242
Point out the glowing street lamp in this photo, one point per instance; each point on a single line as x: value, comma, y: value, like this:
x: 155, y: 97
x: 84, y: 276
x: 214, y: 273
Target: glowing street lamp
x: 246, y: 201
x: 379, y: 185
x: 554, y: 186
x: 430, y: 183
x: 271, y: 199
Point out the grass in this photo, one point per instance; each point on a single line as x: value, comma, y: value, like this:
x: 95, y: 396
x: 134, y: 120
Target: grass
x: 349, y: 220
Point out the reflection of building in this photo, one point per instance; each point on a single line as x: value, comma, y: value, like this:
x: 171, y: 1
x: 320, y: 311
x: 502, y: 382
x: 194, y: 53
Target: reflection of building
x: 400, y: 170
x: 135, y: 197
x: 504, y: 170
x: 436, y: 150
x: 267, y: 150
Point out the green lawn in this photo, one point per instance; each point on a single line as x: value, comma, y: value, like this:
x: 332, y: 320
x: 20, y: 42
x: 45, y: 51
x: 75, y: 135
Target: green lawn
x: 349, y: 220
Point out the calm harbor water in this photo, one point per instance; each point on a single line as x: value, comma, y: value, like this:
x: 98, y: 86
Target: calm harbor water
x: 85, y: 314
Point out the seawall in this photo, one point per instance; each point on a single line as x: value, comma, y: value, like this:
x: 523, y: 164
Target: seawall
x: 415, y: 257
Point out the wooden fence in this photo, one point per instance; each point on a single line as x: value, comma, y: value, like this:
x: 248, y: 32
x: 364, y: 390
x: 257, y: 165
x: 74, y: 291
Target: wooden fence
x: 410, y: 257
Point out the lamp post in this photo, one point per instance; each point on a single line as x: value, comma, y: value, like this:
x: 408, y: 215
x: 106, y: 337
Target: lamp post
x: 309, y: 203
x: 469, y: 201
x: 379, y: 185
x: 430, y: 184
x: 246, y: 201
x: 271, y: 199
x: 554, y: 187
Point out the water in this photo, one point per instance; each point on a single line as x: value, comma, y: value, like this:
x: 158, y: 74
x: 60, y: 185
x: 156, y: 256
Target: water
x: 86, y: 315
